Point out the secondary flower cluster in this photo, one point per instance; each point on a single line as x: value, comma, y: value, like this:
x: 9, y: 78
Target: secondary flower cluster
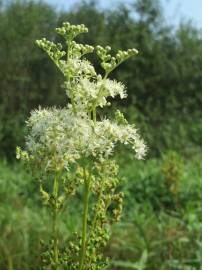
x: 59, y: 137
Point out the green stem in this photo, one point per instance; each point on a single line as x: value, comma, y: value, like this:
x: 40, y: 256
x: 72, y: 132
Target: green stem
x: 55, y: 224
x: 89, y: 115
x: 96, y: 211
x: 85, y: 219
x: 94, y: 115
x: 69, y: 48
x: 98, y: 200
x: 98, y: 96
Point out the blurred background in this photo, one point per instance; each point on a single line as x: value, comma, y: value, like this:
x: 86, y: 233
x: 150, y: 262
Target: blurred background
x: 161, y: 226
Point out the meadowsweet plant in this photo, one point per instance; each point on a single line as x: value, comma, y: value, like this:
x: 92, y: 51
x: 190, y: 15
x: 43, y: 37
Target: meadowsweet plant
x: 73, y: 149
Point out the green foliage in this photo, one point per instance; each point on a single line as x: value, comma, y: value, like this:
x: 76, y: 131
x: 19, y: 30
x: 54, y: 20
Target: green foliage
x: 169, y: 234
x: 22, y: 220
x: 26, y: 78
x: 172, y: 171
x: 152, y: 235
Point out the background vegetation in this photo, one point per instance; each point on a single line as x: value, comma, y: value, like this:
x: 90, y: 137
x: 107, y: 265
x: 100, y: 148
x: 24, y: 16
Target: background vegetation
x: 162, y: 223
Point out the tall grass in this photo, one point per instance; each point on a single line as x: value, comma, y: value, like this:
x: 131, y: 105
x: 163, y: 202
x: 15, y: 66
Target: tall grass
x: 157, y: 234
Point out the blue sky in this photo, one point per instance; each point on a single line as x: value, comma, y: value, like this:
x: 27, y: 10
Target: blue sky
x: 174, y: 10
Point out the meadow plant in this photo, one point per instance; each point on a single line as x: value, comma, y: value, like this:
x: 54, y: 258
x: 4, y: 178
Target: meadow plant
x: 73, y: 148
x: 172, y: 170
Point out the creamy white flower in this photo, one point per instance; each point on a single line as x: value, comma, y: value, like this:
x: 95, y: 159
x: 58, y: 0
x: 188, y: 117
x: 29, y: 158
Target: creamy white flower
x: 125, y: 134
x: 76, y: 67
x: 59, y: 137
x: 87, y: 92
x: 113, y: 88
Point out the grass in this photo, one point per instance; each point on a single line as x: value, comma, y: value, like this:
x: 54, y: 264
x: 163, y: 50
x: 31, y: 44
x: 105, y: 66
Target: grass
x: 160, y: 229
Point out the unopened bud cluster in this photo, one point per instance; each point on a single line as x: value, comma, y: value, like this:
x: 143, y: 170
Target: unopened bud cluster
x: 110, y: 62
x: 69, y: 31
x: 53, y: 50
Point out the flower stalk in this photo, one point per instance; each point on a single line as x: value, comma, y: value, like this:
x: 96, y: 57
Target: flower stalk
x: 64, y: 139
x: 85, y: 219
x: 55, y: 223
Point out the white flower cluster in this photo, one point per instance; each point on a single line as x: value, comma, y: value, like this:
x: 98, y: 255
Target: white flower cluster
x: 109, y: 133
x: 59, y: 137
x: 87, y: 92
x: 76, y: 68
